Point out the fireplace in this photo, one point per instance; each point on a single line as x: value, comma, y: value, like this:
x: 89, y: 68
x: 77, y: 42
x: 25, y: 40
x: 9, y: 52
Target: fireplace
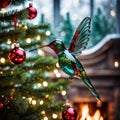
x: 102, y: 64
x: 92, y: 111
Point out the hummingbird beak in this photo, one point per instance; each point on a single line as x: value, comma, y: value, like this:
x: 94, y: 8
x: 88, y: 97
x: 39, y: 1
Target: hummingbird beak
x: 38, y: 48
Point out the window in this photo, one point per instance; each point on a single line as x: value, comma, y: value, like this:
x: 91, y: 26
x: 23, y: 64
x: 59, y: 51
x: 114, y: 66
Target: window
x: 44, y: 7
x: 104, y: 20
x: 102, y: 12
x: 78, y: 9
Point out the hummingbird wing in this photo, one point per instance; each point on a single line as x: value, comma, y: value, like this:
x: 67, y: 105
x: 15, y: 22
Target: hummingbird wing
x: 81, y: 36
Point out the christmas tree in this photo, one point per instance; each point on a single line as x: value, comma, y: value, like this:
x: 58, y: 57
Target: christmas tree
x: 102, y: 24
x: 27, y: 89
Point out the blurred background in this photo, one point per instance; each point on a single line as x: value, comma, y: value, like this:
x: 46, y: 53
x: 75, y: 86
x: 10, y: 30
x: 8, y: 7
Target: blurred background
x: 34, y: 87
x: 66, y: 17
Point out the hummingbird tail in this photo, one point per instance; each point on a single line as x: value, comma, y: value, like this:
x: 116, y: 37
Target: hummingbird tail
x: 89, y: 85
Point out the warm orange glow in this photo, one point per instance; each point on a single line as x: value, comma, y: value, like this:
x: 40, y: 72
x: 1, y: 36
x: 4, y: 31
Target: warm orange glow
x: 85, y: 111
x: 97, y: 115
x: 86, y: 116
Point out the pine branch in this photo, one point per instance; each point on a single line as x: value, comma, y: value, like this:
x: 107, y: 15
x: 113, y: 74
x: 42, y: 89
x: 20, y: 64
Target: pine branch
x: 52, y: 88
x: 18, y: 2
x: 9, y: 16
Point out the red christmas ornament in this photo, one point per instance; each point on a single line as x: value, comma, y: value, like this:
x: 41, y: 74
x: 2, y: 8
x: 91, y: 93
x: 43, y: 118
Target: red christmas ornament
x: 4, y: 3
x: 1, y: 106
x: 32, y: 11
x: 69, y: 114
x: 17, y: 55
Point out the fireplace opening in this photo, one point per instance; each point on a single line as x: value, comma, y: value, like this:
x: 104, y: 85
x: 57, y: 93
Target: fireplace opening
x: 92, y: 111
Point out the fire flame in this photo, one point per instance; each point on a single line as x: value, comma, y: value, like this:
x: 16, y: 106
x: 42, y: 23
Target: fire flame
x: 86, y: 116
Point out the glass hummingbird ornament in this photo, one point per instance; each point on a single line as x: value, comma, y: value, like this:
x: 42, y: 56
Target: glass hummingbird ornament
x: 67, y: 56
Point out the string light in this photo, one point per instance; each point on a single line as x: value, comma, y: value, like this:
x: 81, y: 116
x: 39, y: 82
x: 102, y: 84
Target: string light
x: 55, y: 71
x: 30, y: 100
x: 19, y: 25
x: 13, y: 45
x: 43, y: 112
x: 39, y: 85
x: 2, y: 60
x: 47, y: 96
x: 45, y: 118
x: 17, y: 85
x: 3, y: 11
x: 112, y: 12
x: 1, y: 72
x: 28, y: 40
x: 57, y: 65
x: 38, y: 37
x: 11, y: 72
x: 9, y: 41
x: 48, y: 33
x: 23, y: 97
x: 45, y: 83
x: 25, y: 27
x: 41, y: 102
x: 40, y: 52
x: 54, y: 116
x: 34, y: 102
x: 116, y: 64
x: 58, y: 75
x: 63, y: 92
